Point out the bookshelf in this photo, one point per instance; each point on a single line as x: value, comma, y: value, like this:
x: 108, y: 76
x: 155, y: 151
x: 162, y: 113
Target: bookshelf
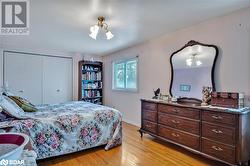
x: 90, y: 82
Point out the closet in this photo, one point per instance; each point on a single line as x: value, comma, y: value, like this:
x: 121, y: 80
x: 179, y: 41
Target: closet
x: 42, y: 79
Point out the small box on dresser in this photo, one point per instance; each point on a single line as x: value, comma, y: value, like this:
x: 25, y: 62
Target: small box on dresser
x: 227, y: 99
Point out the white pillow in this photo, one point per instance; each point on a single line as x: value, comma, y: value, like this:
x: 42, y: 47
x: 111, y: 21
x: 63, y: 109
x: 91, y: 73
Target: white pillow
x: 11, y: 108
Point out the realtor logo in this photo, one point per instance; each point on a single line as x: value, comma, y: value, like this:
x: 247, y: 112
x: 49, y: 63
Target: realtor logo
x: 14, y: 17
x: 4, y: 162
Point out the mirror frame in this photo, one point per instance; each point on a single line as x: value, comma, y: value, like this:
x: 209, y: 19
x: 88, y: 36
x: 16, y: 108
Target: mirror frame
x: 192, y: 43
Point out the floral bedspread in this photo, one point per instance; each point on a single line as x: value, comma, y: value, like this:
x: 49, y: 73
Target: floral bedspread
x: 69, y: 127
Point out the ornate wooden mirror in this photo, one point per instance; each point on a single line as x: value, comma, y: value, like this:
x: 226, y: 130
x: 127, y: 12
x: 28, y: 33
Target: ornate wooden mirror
x: 192, y: 68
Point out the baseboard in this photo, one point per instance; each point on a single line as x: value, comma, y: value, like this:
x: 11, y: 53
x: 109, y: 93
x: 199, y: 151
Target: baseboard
x: 131, y: 122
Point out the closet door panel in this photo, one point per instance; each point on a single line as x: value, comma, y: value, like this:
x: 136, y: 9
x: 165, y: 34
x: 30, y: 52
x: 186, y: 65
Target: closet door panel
x: 22, y: 73
x: 57, y: 80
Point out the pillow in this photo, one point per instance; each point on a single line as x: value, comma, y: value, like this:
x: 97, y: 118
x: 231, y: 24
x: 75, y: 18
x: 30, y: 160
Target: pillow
x: 5, y: 117
x: 11, y: 108
x: 7, y: 93
x: 23, y: 103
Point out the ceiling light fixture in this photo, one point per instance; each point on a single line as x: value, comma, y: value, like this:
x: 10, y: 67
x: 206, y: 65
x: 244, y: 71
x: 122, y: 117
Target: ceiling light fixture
x: 193, y: 61
x: 100, y: 24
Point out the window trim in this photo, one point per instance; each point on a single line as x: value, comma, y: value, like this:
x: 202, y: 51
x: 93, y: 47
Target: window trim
x: 137, y: 75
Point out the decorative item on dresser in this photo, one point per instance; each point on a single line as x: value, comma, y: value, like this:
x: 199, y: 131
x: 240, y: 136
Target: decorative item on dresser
x: 90, y: 81
x: 220, y: 134
x: 206, y: 95
x: 227, y: 99
x: 156, y: 93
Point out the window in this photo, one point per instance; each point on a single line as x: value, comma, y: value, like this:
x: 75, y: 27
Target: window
x: 125, y: 75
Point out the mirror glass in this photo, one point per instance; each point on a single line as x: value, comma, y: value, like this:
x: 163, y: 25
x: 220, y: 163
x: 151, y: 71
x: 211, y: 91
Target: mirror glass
x: 192, y: 68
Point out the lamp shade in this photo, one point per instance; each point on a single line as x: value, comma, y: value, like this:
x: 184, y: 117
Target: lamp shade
x: 189, y: 62
x: 198, y: 63
x: 93, y: 35
x: 94, y: 31
x: 109, y: 35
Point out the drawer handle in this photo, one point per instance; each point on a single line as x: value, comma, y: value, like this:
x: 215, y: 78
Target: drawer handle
x: 175, y: 135
x: 176, y: 111
x: 217, y: 148
x: 175, y: 121
x: 147, y: 125
x: 217, y: 131
x: 217, y: 117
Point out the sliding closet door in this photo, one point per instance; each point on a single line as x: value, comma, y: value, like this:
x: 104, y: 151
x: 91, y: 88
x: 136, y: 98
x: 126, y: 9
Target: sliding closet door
x: 57, y: 80
x: 22, y: 73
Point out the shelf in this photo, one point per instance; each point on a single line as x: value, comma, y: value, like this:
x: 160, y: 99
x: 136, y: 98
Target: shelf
x: 91, y: 80
x: 92, y: 97
x: 92, y: 88
x: 91, y: 70
x: 89, y: 63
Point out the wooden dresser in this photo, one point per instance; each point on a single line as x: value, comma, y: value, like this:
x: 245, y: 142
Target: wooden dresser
x: 218, y: 134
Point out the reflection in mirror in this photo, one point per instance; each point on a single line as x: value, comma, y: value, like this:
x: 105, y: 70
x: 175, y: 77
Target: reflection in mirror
x: 192, y: 68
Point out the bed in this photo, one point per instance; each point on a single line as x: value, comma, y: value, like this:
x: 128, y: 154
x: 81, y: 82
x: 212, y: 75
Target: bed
x: 64, y: 128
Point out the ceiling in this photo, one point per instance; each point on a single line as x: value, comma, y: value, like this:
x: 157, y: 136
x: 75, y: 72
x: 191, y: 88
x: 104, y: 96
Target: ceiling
x: 64, y: 24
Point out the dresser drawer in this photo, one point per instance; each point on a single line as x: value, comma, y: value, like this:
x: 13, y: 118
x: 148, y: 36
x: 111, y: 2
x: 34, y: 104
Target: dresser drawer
x: 219, y: 117
x: 149, y: 106
x: 191, y: 126
x: 179, y: 137
x: 217, y: 133
x: 185, y: 112
x: 220, y: 151
x: 149, y: 126
x: 149, y: 115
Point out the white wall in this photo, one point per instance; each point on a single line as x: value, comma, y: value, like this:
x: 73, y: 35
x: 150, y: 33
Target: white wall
x: 1, y: 66
x: 231, y: 33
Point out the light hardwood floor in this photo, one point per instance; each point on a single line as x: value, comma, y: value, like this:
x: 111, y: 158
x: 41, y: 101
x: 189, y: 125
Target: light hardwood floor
x: 133, y: 152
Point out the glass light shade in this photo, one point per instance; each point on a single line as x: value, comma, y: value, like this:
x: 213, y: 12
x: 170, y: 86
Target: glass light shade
x: 94, y: 28
x: 109, y: 35
x: 94, y: 31
x: 93, y: 35
x: 198, y: 63
x: 189, y: 62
